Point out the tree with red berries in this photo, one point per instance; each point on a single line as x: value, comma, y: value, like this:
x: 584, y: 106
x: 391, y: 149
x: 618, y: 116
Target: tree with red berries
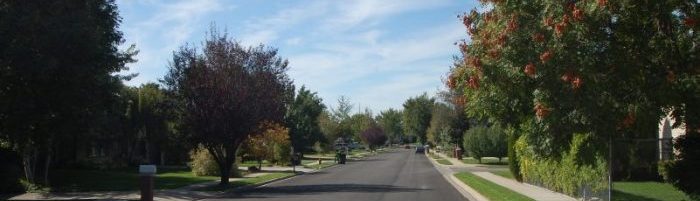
x: 567, y: 76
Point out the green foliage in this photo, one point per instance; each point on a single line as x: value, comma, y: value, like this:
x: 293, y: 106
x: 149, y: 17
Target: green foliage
x: 336, y: 122
x: 514, y: 162
x: 202, y: 163
x: 390, y: 121
x: 440, y: 129
x: 302, y: 119
x: 683, y: 173
x: 10, y: 171
x: 417, y: 113
x: 59, y: 64
x: 633, y: 62
x: 576, y: 169
x: 485, y: 141
x: 361, y: 122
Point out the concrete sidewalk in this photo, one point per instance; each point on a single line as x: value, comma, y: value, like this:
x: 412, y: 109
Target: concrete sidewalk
x: 534, y: 192
x: 282, y: 168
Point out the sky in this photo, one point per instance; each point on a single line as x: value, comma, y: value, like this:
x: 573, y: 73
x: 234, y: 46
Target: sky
x: 377, y: 53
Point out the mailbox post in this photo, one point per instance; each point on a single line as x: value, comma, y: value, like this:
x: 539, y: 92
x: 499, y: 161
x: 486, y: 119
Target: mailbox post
x: 146, y: 174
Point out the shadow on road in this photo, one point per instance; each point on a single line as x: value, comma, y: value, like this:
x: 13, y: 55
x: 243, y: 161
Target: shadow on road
x: 327, y: 188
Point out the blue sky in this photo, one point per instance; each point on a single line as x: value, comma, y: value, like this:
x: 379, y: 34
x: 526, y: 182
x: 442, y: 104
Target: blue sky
x: 376, y: 52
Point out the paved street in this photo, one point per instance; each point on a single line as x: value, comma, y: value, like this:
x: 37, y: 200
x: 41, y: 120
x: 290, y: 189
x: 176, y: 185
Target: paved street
x: 400, y: 175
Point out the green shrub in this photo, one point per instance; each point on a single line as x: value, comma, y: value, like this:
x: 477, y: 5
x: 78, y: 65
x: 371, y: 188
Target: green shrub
x: 203, y: 164
x: 664, y: 167
x: 10, y: 171
x: 583, y: 166
x: 684, y: 173
x: 484, y: 141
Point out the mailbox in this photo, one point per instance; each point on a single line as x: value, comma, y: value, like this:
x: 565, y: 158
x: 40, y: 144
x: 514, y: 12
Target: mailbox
x: 147, y: 169
x: 147, y: 172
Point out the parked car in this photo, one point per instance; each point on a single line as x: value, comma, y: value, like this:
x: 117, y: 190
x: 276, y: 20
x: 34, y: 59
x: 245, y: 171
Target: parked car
x: 420, y: 149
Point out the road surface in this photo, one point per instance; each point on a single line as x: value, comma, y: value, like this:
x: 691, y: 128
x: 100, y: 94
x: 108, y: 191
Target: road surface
x: 400, y: 175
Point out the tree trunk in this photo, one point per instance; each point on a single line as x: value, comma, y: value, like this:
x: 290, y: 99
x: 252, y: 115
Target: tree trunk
x: 47, y: 164
x: 28, y: 162
x: 225, y: 173
x: 162, y: 157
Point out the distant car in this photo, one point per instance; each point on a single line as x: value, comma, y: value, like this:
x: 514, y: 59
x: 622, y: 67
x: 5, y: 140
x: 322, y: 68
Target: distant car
x: 420, y: 149
x: 407, y: 146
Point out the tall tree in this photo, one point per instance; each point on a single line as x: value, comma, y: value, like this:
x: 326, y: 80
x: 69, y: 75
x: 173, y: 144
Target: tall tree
x: 440, y: 127
x: 226, y: 92
x: 303, y: 120
x: 577, y: 74
x: 417, y: 113
x: 360, y: 122
x: 390, y: 121
x: 58, y: 61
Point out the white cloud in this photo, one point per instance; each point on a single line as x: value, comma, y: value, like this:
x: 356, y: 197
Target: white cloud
x: 266, y: 29
x: 158, y: 33
x: 353, y: 13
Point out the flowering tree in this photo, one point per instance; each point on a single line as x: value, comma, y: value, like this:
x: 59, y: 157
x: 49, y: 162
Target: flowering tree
x: 570, y: 75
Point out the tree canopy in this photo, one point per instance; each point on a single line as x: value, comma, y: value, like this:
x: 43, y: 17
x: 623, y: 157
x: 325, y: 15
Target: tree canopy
x: 303, y: 120
x: 226, y: 92
x: 567, y: 74
x: 57, y: 73
x: 417, y: 113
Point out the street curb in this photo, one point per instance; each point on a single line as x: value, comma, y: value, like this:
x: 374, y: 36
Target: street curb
x: 253, y: 186
x: 466, y: 191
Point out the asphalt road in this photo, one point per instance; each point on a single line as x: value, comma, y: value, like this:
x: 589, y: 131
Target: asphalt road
x: 400, y: 175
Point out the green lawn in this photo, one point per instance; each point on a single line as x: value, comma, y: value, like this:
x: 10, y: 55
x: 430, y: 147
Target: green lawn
x: 248, y: 181
x: 488, y: 189
x: 253, y: 163
x: 444, y: 161
x: 485, y: 161
x: 646, y: 191
x: 325, y: 164
x: 504, y: 173
x: 71, y: 180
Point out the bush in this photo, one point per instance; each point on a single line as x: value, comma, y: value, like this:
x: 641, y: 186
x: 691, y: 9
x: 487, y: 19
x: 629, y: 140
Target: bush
x: 684, y: 173
x: 484, y: 141
x: 580, y: 170
x: 253, y: 168
x: 203, y: 164
x: 10, y: 172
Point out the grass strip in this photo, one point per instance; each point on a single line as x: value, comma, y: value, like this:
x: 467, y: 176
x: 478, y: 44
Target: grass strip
x: 504, y: 173
x: 488, y: 189
x: 247, y: 181
x: 485, y: 161
x: 444, y: 161
x: 73, y: 180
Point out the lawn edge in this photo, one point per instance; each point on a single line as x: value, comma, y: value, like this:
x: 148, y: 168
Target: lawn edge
x: 467, y: 192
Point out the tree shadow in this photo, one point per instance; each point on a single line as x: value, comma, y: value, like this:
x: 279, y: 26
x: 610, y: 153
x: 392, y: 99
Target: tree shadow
x: 622, y: 196
x: 325, y: 188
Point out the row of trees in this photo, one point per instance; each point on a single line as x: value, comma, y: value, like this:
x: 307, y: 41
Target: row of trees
x: 567, y: 80
x: 63, y: 102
